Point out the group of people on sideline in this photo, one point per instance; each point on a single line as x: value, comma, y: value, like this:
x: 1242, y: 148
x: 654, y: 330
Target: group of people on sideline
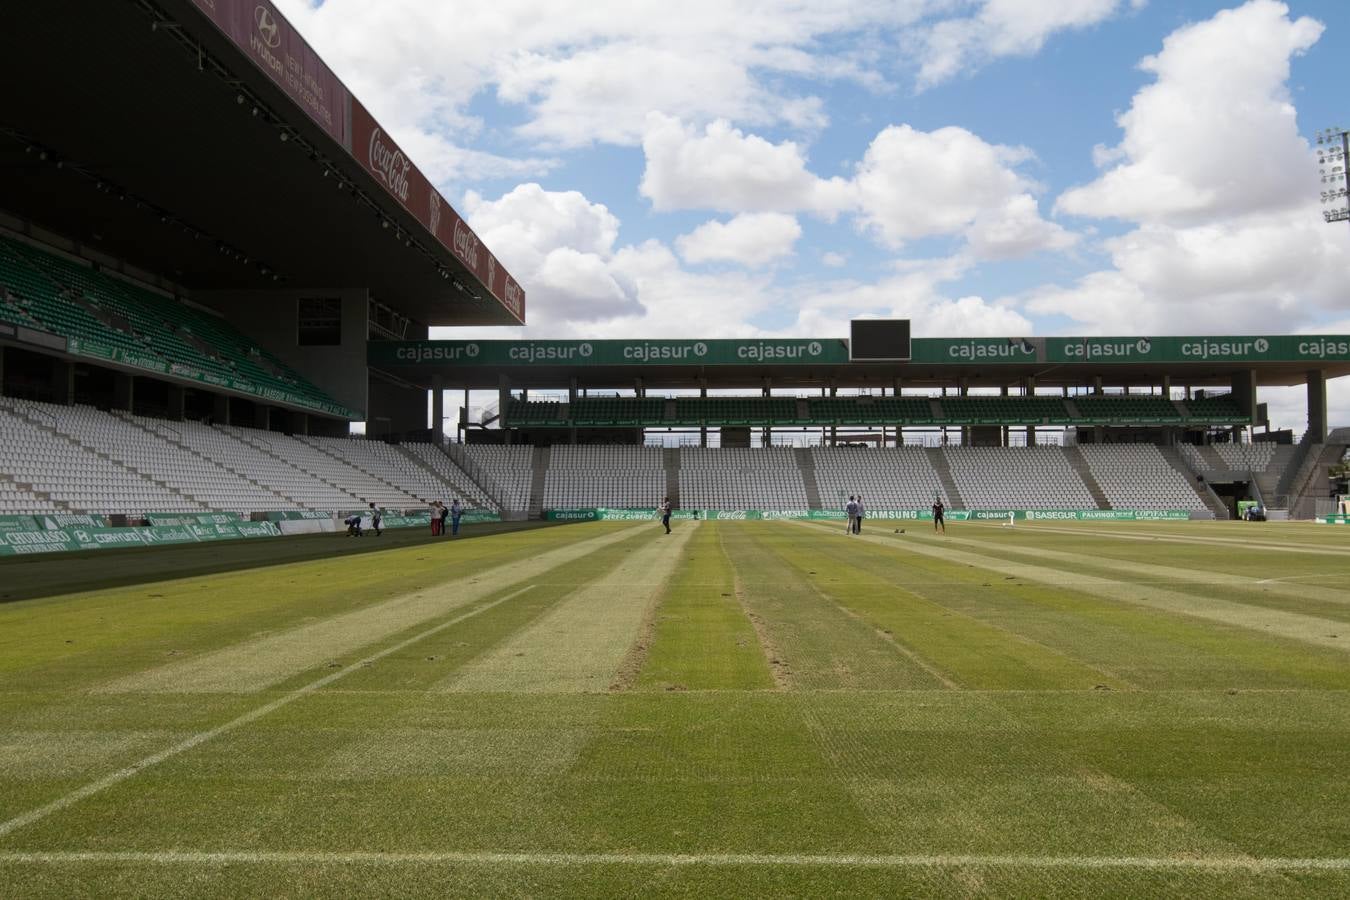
x: 855, y: 511
x: 440, y: 512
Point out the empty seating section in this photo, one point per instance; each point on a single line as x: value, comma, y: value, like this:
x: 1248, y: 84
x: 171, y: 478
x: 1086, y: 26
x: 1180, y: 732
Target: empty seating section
x: 105, y: 316
x: 273, y: 478
x: 1222, y: 409
x: 1136, y: 476
x: 510, y: 468
x: 536, y: 412
x: 765, y: 478
x: 1246, y: 457
x: 868, y: 410
x: 888, y: 478
x: 616, y: 411
x: 584, y: 476
x: 1017, y: 478
x: 47, y: 462
x: 1005, y: 410
x: 389, y: 463
x: 363, y: 486
x: 735, y: 410
x: 457, y: 484
x: 156, y: 458
x: 17, y: 500
x: 1126, y: 408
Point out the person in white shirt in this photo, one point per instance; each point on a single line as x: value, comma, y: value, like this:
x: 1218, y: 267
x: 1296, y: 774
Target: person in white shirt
x: 851, y: 511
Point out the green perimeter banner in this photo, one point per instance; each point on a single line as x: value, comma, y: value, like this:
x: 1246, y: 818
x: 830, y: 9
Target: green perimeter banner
x: 955, y: 515
x: 834, y: 351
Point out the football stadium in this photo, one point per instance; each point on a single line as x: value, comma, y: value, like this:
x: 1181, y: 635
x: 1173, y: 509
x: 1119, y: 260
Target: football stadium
x: 853, y: 614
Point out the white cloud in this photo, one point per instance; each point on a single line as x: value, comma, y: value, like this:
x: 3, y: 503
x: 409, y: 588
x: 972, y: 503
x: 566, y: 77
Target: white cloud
x: 833, y: 260
x: 1004, y: 28
x: 914, y: 184
x: 722, y: 168
x: 751, y: 239
x: 1221, y: 187
x: 1215, y: 134
x: 559, y: 246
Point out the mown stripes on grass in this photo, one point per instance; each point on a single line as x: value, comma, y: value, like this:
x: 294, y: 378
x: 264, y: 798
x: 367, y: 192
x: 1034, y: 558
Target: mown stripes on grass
x: 580, y: 644
x: 256, y: 664
x: 1145, y: 646
x: 821, y: 646
x: 966, y: 651
x: 1309, y: 629
x: 702, y: 639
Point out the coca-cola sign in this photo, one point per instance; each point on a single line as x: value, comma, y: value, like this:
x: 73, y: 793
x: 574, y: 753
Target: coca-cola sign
x: 434, y: 221
x: 389, y: 164
x: 514, y: 297
x: 465, y: 244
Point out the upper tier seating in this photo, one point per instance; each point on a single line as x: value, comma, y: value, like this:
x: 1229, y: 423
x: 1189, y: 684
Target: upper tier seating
x: 888, y: 478
x: 106, y: 317
x: 1222, y: 409
x: 1017, y: 478
x: 1005, y: 410
x: 765, y: 478
x: 511, y: 468
x: 869, y: 410
x: 1126, y: 408
x: 1136, y: 476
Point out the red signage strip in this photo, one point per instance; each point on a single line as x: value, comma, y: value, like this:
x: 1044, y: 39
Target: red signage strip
x: 265, y: 37
x: 390, y: 166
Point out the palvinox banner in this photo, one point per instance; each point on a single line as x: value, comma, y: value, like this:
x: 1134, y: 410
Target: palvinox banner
x: 834, y: 351
x: 275, y: 47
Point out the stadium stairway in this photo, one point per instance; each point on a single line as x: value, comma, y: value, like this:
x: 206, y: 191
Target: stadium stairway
x: 475, y: 473
x: 808, y: 467
x: 938, y: 459
x: 1310, y: 484
x: 542, y: 457
x: 1079, y: 465
x: 1072, y: 409
x: 1205, y: 493
x: 28, y: 415
x: 670, y: 457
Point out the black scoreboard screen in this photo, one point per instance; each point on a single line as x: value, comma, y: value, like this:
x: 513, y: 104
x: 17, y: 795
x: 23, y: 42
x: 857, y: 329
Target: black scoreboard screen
x: 879, y: 340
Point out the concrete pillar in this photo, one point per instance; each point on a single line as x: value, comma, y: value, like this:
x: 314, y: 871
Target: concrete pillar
x: 438, y: 409
x: 177, y: 402
x: 1031, y: 435
x: 638, y: 390
x: 262, y: 417
x: 299, y: 422
x: 1317, y: 405
x: 1244, y: 392
x: 220, y: 409
x: 503, y: 401
x: 703, y: 429
x: 63, y: 382
x: 1097, y: 385
x: 124, y: 391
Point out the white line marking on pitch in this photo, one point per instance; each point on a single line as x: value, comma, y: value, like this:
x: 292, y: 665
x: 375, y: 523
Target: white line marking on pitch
x: 896, y: 861
x: 200, y: 738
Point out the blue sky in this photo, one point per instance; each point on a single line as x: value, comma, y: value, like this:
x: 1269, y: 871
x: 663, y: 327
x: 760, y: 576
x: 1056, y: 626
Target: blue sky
x: 979, y: 166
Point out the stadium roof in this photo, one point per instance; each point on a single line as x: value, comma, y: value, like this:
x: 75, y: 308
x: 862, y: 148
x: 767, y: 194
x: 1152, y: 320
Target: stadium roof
x: 205, y: 141
x: 1201, y: 361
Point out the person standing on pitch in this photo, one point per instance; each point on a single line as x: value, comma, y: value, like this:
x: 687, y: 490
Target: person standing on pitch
x: 664, y: 509
x: 455, y: 512
x: 858, y: 516
x: 435, y: 517
x: 376, y: 516
x: 851, y: 511
x: 938, y: 510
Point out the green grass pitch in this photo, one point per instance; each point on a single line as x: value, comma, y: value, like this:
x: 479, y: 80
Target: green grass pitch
x: 737, y: 709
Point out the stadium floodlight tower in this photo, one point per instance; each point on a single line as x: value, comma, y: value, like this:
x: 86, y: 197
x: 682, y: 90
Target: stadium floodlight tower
x: 1333, y: 152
